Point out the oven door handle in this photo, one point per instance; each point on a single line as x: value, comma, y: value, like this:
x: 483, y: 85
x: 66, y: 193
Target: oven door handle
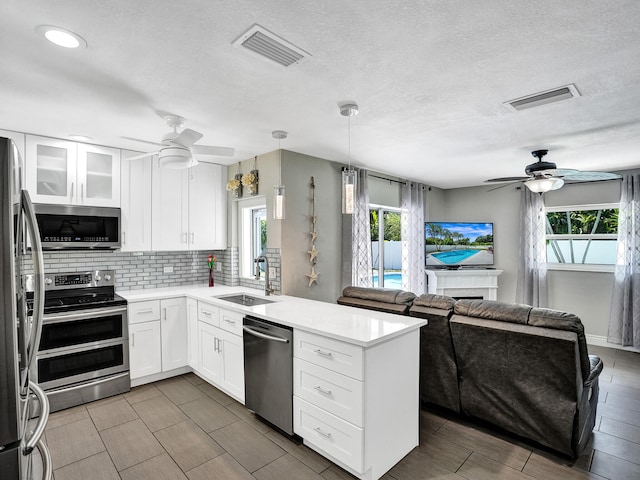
x: 54, y: 318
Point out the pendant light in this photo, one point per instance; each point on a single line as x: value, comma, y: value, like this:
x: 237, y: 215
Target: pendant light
x: 349, y: 175
x: 278, y: 192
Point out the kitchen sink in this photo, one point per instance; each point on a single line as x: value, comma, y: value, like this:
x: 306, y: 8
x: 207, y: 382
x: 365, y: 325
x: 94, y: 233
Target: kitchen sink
x: 244, y: 299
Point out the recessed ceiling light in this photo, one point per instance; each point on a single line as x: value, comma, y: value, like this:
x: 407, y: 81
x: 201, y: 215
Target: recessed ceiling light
x: 80, y: 138
x: 61, y: 37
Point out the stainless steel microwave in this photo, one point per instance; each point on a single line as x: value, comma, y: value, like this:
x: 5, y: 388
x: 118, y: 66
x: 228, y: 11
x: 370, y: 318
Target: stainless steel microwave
x: 69, y: 227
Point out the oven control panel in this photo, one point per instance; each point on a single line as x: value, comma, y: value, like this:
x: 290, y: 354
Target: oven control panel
x: 95, y: 278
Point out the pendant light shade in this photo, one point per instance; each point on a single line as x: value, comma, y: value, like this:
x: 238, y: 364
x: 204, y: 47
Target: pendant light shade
x: 278, y: 191
x: 278, y: 202
x: 349, y: 179
x: 349, y: 191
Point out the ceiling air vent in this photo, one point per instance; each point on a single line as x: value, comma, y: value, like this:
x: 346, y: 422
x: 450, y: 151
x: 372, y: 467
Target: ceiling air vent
x: 542, y: 98
x: 261, y: 41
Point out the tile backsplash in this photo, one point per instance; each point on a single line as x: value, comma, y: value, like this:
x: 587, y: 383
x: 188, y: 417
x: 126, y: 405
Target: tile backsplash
x: 136, y: 270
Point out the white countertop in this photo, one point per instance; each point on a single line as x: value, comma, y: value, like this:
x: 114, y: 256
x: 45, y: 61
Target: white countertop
x: 350, y: 324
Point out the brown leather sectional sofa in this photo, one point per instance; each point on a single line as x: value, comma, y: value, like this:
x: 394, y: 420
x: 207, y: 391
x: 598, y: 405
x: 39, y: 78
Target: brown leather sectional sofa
x: 523, y: 369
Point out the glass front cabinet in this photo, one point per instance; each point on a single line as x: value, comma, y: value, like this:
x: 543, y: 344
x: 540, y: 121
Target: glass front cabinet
x: 65, y: 172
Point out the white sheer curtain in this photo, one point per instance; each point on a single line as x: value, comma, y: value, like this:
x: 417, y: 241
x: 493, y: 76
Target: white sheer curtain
x: 531, y: 288
x: 361, y: 265
x: 624, y: 322
x: 412, y: 234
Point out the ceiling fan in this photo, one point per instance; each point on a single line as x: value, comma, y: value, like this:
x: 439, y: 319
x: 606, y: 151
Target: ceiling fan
x: 177, y: 150
x: 543, y: 176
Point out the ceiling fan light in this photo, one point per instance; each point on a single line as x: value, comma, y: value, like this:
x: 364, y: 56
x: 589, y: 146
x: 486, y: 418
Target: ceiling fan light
x: 176, y: 158
x: 544, y: 184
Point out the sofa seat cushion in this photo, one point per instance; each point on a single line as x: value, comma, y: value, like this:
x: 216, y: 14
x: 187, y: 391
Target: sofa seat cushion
x: 493, y: 310
x: 384, y: 295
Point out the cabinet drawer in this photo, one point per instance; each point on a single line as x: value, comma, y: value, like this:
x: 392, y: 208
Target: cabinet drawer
x: 231, y: 321
x: 330, y: 434
x: 334, y: 392
x: 333, y: 354
x: 144, y: 311
x: 208, y: 314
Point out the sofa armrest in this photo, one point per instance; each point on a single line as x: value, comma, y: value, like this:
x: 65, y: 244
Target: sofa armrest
x: 595, y: 370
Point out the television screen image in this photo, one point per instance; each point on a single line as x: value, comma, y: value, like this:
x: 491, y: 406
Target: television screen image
x: 457, y: 244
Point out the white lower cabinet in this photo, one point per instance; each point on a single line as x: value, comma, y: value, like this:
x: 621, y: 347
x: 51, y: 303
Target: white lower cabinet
x: 174, y: 333
x: 145, y: 355
x: 157, y: 336
x: 357, y: 406
x: 220, y: 352
x: 192, y: 332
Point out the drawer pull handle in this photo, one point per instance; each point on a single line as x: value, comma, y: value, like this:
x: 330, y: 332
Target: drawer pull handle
x: 322, y: 390
x: 146, y: 310
x: 229, y: 321
x: 324, y: 354
x: 324, y: 434
x: 208, y: 314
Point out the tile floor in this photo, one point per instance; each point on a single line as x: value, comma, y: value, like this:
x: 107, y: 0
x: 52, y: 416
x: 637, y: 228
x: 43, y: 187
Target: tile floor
x: 183, y: 428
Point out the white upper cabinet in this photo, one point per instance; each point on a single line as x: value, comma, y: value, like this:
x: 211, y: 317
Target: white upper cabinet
x: 64, y: 172
x: 189, y: 208
x: 135, y: 200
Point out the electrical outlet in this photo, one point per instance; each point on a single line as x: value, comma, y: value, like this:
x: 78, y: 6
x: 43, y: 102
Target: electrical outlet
x: 218, y: 266
x: 272, y: 272
x: 168, y: 269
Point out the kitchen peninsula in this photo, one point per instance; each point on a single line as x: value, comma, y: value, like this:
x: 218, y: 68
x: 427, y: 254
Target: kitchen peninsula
x: 355, y: 371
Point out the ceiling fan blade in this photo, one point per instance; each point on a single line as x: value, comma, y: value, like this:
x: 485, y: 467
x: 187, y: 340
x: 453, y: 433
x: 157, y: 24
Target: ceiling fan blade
x: 508, y: 179
x: 141, y: 156
x: 211, y: 150
x: 187, y: 137
x: 583, y: 177
x: 504, y: 185
x: 144, y: 141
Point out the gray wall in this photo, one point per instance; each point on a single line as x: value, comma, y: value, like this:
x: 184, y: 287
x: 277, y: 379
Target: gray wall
x: 297, y: 170
x: 587, y: 294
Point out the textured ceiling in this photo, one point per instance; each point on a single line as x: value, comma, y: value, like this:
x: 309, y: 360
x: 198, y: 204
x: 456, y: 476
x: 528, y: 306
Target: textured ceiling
x: 429, y: 78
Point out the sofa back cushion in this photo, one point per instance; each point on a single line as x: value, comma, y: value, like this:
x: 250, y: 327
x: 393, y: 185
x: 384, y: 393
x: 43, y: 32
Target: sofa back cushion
x: 547, y: 318
x: 493, y: 310
x: 379, y: 299
x: 522, y: 378
x: 386, y: 295
x: 438, y: 370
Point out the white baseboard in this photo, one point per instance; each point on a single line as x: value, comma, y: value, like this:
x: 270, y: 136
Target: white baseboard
x: 601, y: 341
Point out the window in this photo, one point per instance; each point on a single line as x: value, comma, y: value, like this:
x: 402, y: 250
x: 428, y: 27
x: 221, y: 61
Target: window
x: 386, y: 261
x: 252, y: 214
x: 582, y: 235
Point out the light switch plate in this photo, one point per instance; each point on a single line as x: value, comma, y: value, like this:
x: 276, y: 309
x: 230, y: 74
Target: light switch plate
x: 218, y: 267
x: 272, y: 272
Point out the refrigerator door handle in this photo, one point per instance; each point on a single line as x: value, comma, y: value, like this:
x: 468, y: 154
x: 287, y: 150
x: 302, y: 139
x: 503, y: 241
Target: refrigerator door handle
x: 38, y: 276
x: 42, y: 421
x: 46, y: 460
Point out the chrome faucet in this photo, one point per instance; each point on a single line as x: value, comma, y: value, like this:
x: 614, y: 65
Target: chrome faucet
x: 267, y: 284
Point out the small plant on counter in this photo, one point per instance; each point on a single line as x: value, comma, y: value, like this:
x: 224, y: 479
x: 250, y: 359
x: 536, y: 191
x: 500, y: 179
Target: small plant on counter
x: 211, y: 263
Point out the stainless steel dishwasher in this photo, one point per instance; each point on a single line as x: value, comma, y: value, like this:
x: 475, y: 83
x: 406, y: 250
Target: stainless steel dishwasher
x: 268, y: 371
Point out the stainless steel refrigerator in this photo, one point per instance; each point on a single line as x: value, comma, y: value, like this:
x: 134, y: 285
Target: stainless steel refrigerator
x: 24, y: 408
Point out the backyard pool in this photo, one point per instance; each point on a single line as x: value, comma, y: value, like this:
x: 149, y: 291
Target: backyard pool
x: 454, y: 256
x: 391, y: 280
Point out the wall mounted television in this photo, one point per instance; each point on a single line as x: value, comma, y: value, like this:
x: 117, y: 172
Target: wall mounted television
x: 458, y: 244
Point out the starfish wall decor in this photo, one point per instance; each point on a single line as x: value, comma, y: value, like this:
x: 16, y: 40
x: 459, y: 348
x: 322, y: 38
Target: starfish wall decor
x: 313, y: 252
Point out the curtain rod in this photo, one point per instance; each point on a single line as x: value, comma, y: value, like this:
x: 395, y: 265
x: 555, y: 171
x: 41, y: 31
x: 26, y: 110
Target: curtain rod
x: 388, y: 179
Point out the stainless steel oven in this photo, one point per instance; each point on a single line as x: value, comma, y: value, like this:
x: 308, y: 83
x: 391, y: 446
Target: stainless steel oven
x: 84, y: 347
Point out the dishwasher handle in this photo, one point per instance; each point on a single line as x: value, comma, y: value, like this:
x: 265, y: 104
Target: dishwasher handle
x: 251, y: 331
